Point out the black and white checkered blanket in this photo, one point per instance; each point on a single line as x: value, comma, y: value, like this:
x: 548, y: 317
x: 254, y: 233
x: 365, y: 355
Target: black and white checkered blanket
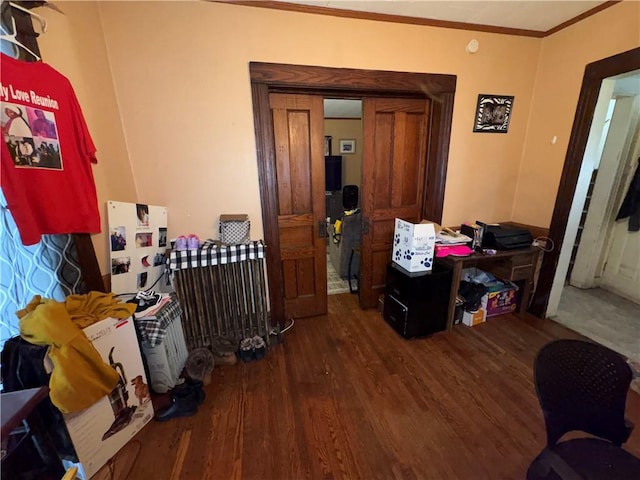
x: 209, y: 255
x: 153, y: 329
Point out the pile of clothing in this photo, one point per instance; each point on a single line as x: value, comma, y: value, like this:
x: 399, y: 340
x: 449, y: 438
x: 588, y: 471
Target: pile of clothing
x: 470, y: 295
x: 473, y: 286
x: 80, y: 377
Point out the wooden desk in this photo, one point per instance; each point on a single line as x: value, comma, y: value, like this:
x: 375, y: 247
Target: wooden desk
x: 518, y: 266
x: 18, y: 407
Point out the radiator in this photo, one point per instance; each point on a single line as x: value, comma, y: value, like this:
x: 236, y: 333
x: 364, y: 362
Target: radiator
x: 163, y: 345
x: 166, y: 360
x: 222, y: 299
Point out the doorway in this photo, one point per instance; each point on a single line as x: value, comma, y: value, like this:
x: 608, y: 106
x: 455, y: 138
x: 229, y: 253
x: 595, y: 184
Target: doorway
x: 595, y: 73
x: 343, y: 185
x: 600, y: 295
x: 283, y: 262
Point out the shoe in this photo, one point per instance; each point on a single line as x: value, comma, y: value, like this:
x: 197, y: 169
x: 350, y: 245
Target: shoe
x: 246, y: 349
x: 193, y: 242
x: 180, y: 407
x: 145, y: 302
x: 259, y: 347
x: 181, y: 243
x: 146, y: 294
x: 224, y: 350
x: 190, y: 390
x: 225, y: 359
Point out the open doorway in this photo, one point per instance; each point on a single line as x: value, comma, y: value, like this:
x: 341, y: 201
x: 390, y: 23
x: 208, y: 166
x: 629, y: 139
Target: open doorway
x: 406, y: 182
x: 343, y: 188
x: 597, y: 289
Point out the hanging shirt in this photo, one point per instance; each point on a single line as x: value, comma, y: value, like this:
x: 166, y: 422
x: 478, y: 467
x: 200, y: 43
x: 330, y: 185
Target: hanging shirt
x: 46, y: 171
x: 631, y: 204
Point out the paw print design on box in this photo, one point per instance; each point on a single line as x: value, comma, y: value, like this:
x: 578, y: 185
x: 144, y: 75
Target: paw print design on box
x: 413, y: 245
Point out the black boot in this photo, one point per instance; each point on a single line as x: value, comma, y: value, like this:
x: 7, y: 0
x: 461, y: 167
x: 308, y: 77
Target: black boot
x: 180, y: 407
x: 190, y: 389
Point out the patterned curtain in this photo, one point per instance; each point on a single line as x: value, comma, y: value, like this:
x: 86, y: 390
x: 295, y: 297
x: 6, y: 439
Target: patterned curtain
x: 49, y: 268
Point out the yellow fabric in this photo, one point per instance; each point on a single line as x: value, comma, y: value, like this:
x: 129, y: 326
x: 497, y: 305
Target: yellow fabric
x: 337, y: 231
x: 80, y: 377
x: 88, y: 309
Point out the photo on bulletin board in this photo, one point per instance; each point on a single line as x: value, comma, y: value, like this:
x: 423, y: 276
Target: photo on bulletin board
x: 118, y: 239
x: 120, y: 265
x: 162, y: 237
x: 142, y: 280
x: 142, y: 227
x: 142, y: 212
x: 158, y: 259
x: 144, y: 239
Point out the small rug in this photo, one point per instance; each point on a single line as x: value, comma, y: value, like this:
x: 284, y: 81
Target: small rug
x: 335, y: 284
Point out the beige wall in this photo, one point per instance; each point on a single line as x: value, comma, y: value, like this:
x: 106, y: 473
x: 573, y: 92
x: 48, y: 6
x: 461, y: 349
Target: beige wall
x: 181, y: 90
x: 74, y: 45
x: 344, y: 129
x: 182, y: 80
x: 559, y: 78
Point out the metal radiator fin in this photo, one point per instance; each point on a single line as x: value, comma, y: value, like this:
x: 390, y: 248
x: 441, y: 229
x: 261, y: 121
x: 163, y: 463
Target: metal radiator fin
x: 227, y: 300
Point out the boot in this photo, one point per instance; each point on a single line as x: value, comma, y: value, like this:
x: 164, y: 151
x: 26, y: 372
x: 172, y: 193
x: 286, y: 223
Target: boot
x: 190, y: 389
x: 180, y: 407
x: 223, y: 350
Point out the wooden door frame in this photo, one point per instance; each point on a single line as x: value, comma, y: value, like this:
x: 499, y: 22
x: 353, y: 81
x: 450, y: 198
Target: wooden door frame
x: 268, y: 78
x: 593, y: 75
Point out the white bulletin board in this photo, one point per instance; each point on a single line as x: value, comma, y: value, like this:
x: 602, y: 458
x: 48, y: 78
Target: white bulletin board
x: 137, y: 244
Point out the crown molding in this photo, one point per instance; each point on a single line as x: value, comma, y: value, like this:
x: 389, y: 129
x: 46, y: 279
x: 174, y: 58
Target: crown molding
x: 383, y: 17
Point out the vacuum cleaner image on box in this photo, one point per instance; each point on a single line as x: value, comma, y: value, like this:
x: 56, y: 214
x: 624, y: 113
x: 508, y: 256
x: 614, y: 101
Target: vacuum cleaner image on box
x: 118, y: 399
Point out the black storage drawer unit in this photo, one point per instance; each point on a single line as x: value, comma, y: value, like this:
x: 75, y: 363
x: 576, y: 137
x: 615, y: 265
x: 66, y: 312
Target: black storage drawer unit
x: 416, y: 304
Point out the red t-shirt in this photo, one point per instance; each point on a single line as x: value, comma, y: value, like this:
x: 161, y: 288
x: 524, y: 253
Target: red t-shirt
x: 47, y: 152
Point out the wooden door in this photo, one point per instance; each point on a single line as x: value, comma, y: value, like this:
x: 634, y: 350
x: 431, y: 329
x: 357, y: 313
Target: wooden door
x: 298, y: 127
x: 393, y: 179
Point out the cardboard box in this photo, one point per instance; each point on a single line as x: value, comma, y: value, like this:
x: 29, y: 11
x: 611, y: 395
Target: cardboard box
x: 472, y: 319
x: 98, y: 432
x: 413, y: 245
x: 503, y: 300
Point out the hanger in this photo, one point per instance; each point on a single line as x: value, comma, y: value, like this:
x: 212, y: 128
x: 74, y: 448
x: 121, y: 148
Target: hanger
x: 42, y: 20
x: 11, y: 38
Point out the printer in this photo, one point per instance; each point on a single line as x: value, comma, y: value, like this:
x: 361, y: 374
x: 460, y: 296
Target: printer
x: 506, y: 238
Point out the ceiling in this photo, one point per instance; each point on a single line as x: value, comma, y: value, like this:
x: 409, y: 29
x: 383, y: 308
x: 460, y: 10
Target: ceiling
x: 538, y: 15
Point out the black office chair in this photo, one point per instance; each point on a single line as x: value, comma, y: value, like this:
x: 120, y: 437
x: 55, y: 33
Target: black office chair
x: 350, y: 197
x: 583, y: 386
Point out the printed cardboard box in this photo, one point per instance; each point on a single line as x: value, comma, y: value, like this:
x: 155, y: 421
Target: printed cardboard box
x: 475, y: 318
x: 502, y: 300
x: 98, y: 432
x: 413, y: 245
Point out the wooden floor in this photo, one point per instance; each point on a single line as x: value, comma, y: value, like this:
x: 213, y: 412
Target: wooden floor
x: 346, y: 397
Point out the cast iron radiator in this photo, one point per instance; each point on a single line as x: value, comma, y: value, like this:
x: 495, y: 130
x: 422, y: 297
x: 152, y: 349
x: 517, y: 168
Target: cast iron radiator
x: 162, y: 341
x: 222, y: 292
